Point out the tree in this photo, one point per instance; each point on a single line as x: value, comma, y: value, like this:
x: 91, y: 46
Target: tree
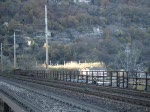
x: 7, y: 64
x: 129, y: 58
x: 72, y: 21
x: 26, y: 62
x: 95, y: 2
x: 105, y: 3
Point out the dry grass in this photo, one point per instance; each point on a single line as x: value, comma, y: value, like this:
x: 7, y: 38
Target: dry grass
x: 77, y: 66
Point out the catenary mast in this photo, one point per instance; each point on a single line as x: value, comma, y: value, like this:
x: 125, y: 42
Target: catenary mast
x: 46, y: 36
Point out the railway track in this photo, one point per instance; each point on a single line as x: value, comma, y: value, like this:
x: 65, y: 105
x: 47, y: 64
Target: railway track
x: 56, y: 101
x: 128, y: 96
x: 79, y: 106
x: 26, y: 105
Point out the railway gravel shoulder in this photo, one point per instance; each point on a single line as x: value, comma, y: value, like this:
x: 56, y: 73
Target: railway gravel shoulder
x: 20, y: 101
x: 70, y: 102
x: 92, y: 100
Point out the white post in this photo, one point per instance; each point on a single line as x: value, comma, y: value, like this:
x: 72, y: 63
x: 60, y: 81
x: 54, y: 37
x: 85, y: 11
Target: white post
x: 14, y: 51
x: 1, y: 56
x: 50, y: 62
x: 64, y: 63
x: 46, y: 35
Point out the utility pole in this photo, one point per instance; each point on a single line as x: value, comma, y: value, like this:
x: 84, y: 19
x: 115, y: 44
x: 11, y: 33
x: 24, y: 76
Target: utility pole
x: 14, y: 51
x: 1, y: 56
x: 46, y: 35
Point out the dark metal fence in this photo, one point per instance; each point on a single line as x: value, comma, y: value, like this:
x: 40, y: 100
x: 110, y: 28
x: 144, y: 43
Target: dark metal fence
x: 120, y: 79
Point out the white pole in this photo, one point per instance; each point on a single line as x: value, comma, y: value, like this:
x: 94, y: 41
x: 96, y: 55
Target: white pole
x: 64, y: 62
x: 50, y: 63
x: 46, y: 35
x: 14, y: 51
x: 2, y: 56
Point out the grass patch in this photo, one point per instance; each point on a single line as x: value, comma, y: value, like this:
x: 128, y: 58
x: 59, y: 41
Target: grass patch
x: 76, y: 66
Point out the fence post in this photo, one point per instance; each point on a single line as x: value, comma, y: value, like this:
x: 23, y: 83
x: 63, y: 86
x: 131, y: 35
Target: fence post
x: 110, y: 78
x: 136, y: 81
x: 78, y: 73
x: 66, y: 75
x: 86, y: 77
x: 127, y: 79
x: 74, y: 76
x: 49, y: 74
x: 59, y: 72
x: 70, y: 75
x: 103, y: 78
x: 92, y: 77
x: 146, y: 82
x: 40, y: 74
x: 97, y: 77
x: 63, y: 75
x: 44, y: 74
x: 57, y: 75
x: 123, y: 79
x: 117, y: 78
x: 53, y: 74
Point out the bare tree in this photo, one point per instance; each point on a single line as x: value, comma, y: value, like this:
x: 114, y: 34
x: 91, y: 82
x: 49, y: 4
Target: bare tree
x: 129, y: 58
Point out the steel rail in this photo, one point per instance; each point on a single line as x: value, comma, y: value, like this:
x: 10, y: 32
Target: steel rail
x: 79, y: 105
x: 110, y: 95
x: 95, y: 87
x: 102, y: 88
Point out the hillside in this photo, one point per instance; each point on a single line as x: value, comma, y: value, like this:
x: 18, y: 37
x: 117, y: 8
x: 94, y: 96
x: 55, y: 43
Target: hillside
x: 116, y: 32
